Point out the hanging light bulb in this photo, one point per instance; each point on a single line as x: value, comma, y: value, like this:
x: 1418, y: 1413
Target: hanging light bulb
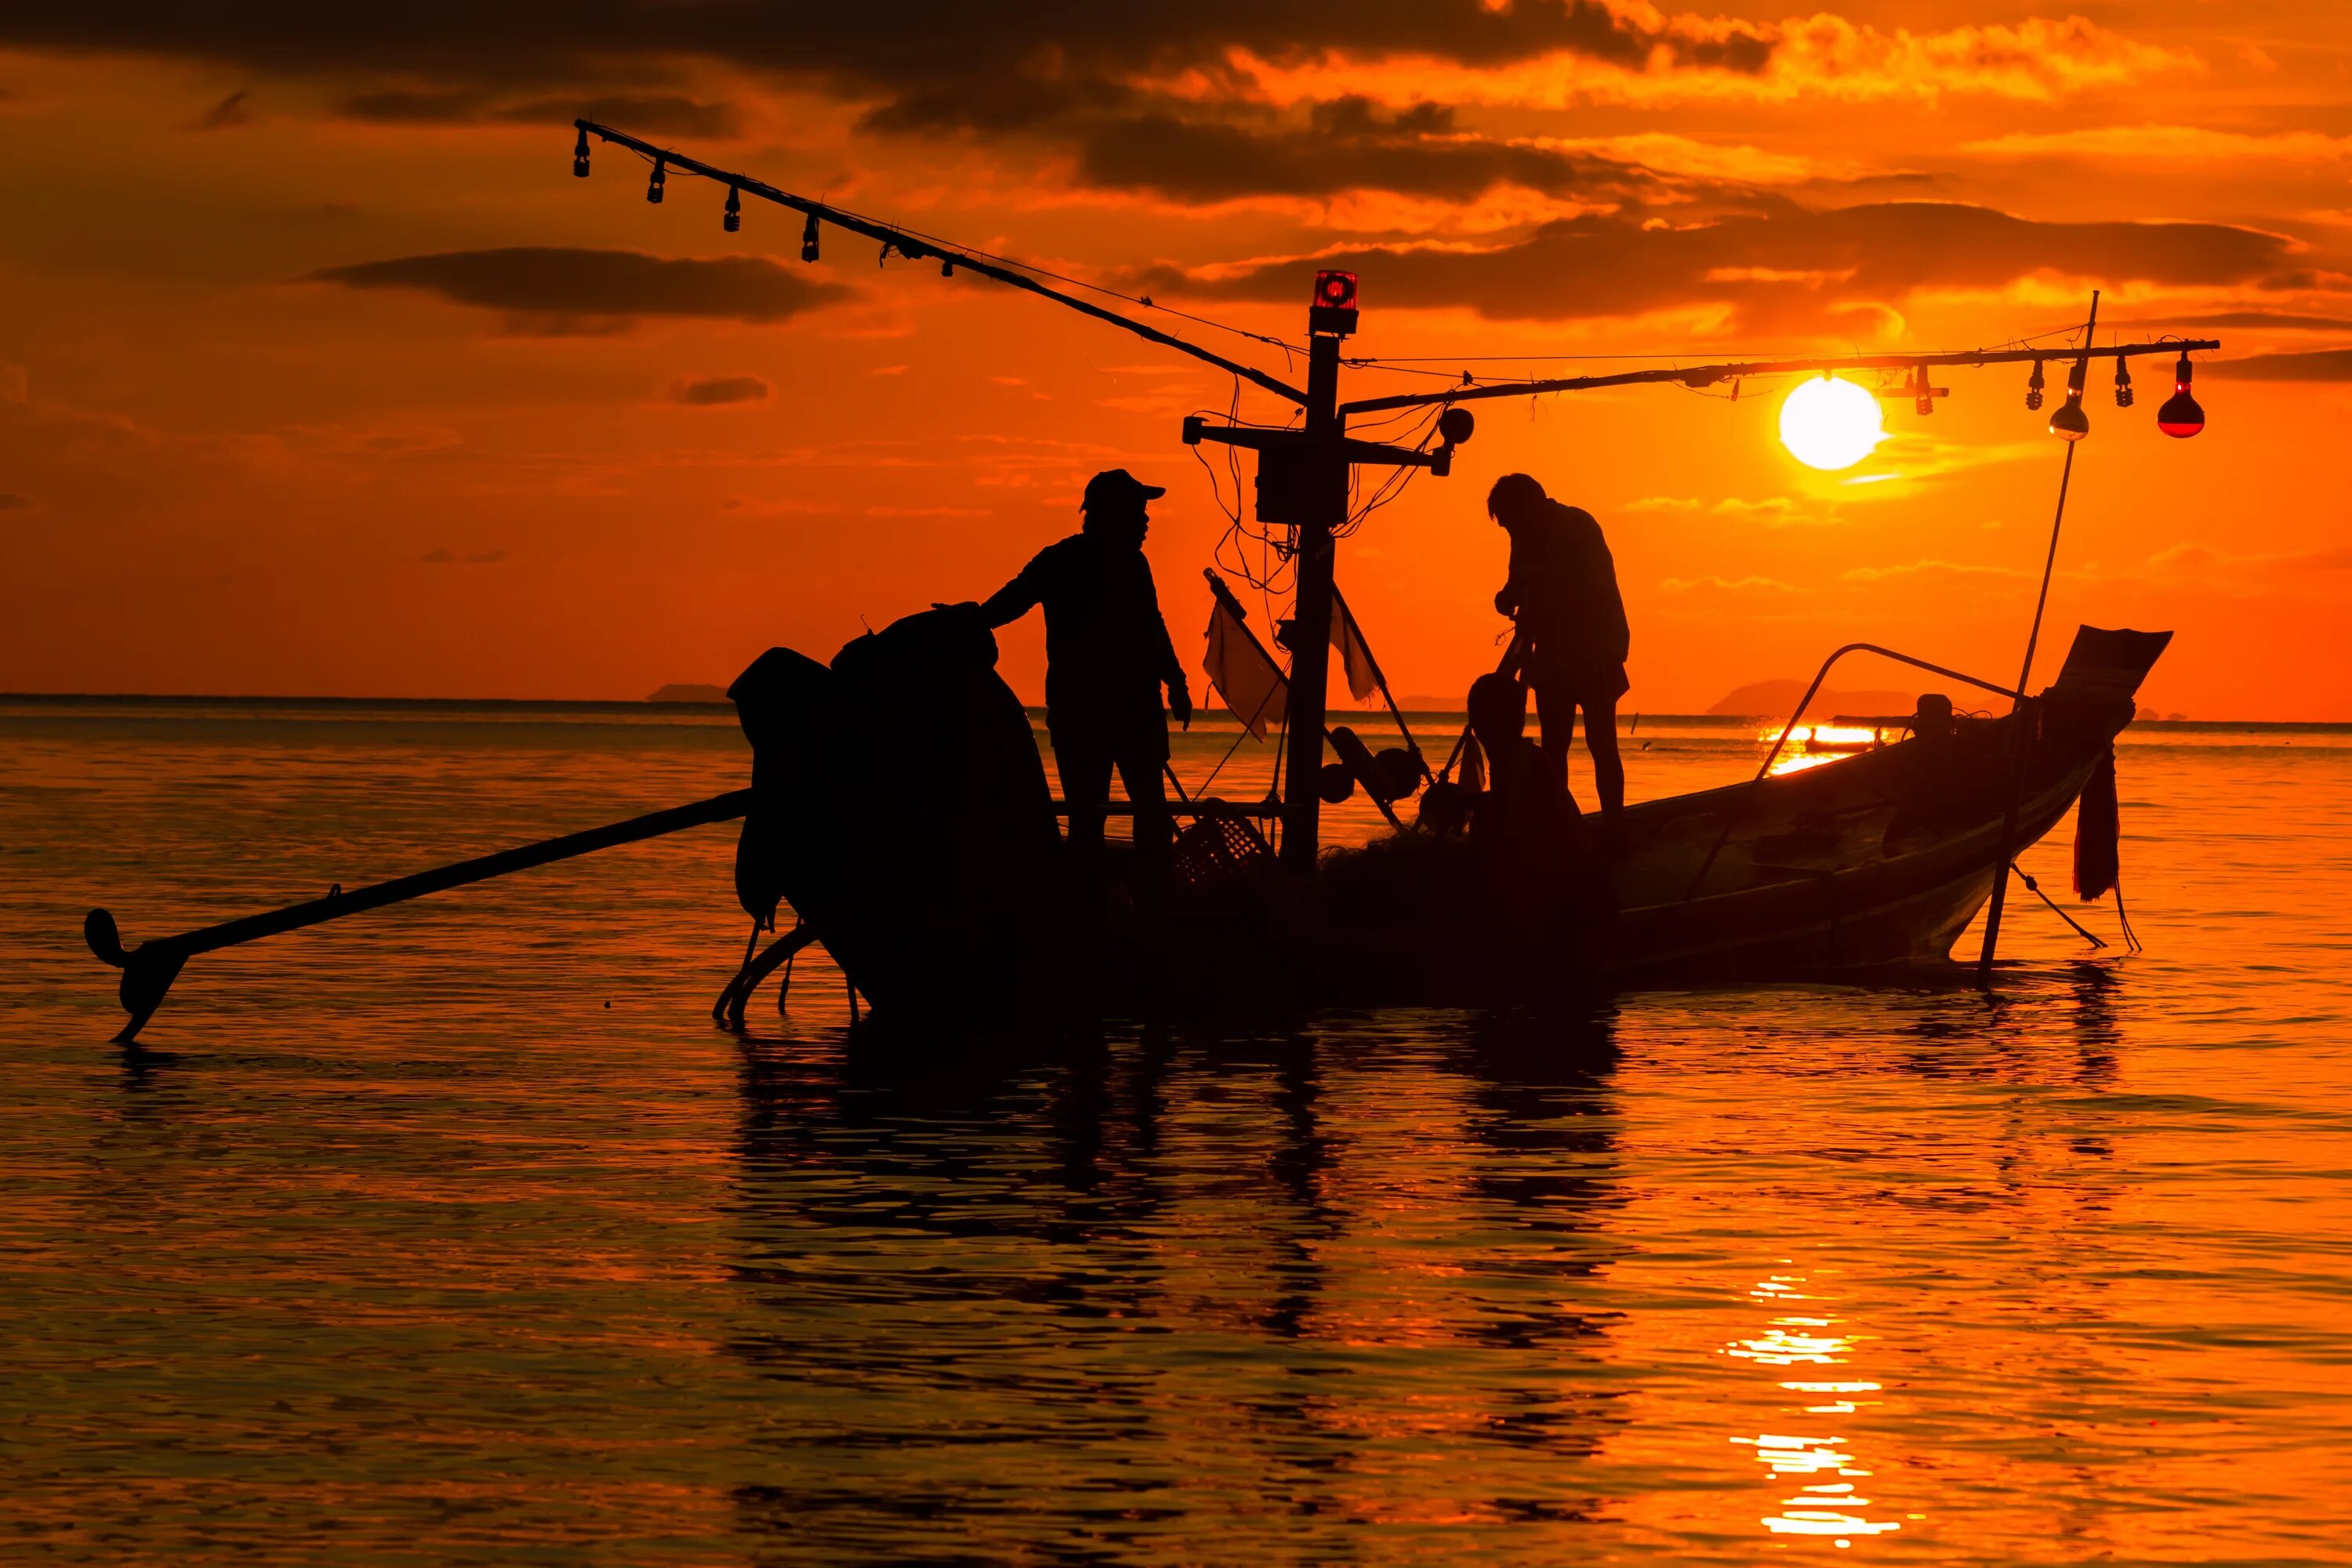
x: 2033, y: 390
x: 2180, y: 415
x: 2070, y: 423
x: 580, y: 157
x: 654, y: 186
x: 734, y: 218
x: 2123, y: 394
x: 808, y: 240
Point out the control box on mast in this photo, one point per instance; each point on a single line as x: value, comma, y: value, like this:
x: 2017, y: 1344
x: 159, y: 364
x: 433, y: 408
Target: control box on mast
x: 1302, y: 484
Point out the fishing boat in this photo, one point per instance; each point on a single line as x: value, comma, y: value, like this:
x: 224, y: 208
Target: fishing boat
x: 945, y: 901
x: 921, y: 845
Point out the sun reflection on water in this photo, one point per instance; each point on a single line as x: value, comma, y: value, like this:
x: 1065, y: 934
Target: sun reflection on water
x: 1811, y: 745
x: 1827, y: 1502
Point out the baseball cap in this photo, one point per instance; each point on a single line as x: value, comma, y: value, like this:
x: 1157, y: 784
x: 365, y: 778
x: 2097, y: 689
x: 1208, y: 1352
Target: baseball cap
x: 1114, y: 486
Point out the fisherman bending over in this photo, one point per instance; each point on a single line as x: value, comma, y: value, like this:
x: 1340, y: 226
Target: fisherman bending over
x: 1562, y: 591
x: 1526, y: 819
x: 1107, y: 655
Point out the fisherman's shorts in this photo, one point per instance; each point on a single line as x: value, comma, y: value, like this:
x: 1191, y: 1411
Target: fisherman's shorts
x: 1589, y: 687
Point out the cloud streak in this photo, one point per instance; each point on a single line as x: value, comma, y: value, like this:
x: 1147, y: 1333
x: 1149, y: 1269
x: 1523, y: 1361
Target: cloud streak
x: 557, y: 290
x: 232, y: 110
x: 713, y: 391
x: 663, y: 113
x: 1782, y: 267
x: 2319, y: 364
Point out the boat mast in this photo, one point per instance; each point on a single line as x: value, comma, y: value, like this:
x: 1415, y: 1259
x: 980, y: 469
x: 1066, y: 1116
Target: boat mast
x: 1310, y: 615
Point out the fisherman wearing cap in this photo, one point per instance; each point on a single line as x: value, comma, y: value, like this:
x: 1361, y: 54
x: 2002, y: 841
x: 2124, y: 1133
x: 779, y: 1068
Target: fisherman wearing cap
x: 1108, y: 654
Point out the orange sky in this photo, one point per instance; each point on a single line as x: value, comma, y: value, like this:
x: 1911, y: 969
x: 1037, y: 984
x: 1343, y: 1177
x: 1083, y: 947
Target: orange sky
x: 320, y: 372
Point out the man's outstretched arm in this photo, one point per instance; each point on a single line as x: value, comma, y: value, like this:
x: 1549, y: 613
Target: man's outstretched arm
x: 1171, y: 668
x: 1014, y: 600
x: 1507, y: 597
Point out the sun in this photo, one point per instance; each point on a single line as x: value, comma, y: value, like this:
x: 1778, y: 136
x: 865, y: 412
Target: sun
x: 1827, y: 422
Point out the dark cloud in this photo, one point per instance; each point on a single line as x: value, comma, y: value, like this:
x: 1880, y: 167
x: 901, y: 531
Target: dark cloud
x: 660, y: 113
x: 10, y: 501
x: 230, y: 111
x: 717, y: 389
x: 1784, y: 268
x: 891, y: 49
x: 1075, y: 72
x: 1346, y: 143
x: 559, y: 289
x: 2320, y: 364
x: 2280, y: 321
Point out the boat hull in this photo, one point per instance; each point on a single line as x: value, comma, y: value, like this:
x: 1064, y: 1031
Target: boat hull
x: 1871, y: 862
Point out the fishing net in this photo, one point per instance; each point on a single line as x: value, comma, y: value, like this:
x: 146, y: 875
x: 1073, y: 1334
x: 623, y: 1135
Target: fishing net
x: 1215, y: 847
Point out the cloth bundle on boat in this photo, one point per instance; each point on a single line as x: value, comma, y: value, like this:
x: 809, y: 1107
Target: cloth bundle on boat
x: 2103, y: 671
x: 901, y: 807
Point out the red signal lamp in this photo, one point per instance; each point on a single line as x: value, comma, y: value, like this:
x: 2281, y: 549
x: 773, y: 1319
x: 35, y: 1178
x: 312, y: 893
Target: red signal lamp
x: 2180, y: 416
x: 1334, y: 309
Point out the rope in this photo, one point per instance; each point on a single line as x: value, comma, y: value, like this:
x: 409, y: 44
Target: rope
x: 784, y: 984
x: 1223, y: 760
x: 2036, y: 888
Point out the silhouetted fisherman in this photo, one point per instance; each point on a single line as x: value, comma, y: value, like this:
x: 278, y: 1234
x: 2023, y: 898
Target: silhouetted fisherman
x: 1527, y: 820
x: 1108, y: 654
x: 1562, y: 591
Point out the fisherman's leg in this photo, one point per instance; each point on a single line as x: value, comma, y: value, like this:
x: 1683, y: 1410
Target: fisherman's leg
x: 1608, y: 767
x: 1084, y: 762
x: 1141, y: 764
x: 1556, y: 722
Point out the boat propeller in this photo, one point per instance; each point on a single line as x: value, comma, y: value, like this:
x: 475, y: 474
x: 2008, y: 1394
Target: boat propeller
x: 147, y: 970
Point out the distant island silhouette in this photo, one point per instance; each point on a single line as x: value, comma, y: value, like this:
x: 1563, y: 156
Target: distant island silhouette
x: 688, y: 691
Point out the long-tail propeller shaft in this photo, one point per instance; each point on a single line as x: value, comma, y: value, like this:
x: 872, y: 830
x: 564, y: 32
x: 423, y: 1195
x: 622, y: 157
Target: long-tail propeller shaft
x: 149, y: 968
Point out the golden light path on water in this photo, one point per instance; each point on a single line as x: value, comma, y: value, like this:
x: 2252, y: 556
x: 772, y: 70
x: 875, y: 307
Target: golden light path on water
x: 1822, y: 1507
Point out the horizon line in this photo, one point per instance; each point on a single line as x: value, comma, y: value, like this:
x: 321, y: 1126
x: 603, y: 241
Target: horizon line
x: 722, y: 706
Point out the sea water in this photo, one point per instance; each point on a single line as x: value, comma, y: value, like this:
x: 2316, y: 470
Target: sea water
x: 454, y: 1233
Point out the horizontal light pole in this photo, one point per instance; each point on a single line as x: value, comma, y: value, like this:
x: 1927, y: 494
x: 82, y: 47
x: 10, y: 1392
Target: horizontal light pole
x: 916, y: 247
x: 1713, y: 374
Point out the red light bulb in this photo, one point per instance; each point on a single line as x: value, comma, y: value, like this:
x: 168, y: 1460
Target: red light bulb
x: 2180, y: 416
x: 1335, y: 291
x: 1333, y: 314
